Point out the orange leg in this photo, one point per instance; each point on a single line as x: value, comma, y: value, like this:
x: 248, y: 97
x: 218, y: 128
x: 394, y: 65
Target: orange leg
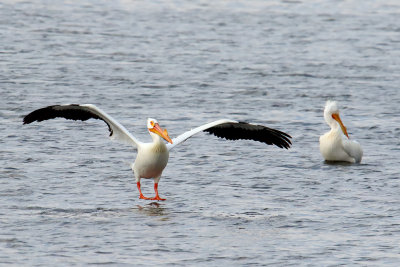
x: 157, y: 197
x: 140, y: 192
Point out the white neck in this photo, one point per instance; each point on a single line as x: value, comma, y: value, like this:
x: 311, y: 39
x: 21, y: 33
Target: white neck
x: 156, y: 138
x: 330, y: 121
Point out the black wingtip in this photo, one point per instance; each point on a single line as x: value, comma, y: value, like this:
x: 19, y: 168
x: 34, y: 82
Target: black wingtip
x: 27, y: 119
x: 69, y: 112
x: 38, y: 115
x: 244, y: 130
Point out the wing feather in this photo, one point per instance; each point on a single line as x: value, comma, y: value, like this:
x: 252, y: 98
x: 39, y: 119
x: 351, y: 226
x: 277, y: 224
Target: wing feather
x: 233, y: 130
x: 83, y: 113
x: 353, y: 149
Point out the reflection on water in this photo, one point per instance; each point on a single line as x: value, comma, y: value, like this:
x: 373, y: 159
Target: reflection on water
x: 337, y: 163
x: 153, y: 209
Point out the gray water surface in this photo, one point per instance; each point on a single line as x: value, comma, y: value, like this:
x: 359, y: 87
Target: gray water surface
x: 68, y: 196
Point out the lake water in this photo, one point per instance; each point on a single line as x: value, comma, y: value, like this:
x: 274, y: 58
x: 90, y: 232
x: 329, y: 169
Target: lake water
x: 68, y: 196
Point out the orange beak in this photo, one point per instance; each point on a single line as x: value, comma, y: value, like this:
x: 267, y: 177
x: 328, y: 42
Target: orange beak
x: 163, y: 133
x: 336, y: 117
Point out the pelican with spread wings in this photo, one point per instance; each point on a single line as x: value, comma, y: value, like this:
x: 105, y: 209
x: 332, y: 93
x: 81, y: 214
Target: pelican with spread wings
x: 152, y: 157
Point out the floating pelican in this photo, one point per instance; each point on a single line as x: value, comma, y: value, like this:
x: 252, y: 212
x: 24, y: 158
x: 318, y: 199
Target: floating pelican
x: 153, y: 157
x: 336, y: 145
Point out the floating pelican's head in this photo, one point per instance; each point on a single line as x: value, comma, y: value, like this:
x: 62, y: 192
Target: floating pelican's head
x: 331, y: 114
x: 154, y: 127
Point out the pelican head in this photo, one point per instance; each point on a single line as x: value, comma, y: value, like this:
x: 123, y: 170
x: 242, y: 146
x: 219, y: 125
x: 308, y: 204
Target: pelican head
x: 154, y: 127
x: 331, y: 115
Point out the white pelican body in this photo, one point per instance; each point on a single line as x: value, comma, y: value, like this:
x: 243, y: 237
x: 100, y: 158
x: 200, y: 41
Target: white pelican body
x: 152, y: 157
x: 335, y: 145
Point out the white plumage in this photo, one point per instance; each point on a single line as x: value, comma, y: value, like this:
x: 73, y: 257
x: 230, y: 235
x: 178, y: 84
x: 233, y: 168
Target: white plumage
x: 336, y: 145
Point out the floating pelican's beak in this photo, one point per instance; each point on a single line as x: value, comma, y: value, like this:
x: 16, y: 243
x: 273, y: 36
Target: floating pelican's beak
x: 336, y: 117
x: 163, y: 133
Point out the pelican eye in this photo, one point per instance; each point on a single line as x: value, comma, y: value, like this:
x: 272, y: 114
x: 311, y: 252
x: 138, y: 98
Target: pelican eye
x: 152, y: 123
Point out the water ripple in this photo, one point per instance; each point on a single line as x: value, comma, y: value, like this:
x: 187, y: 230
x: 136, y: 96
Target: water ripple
x: 67, y: 194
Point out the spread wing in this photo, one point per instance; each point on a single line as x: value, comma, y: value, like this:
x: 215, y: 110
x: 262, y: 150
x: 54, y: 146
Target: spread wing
x: 83, y: 113
x: 233, y: 130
